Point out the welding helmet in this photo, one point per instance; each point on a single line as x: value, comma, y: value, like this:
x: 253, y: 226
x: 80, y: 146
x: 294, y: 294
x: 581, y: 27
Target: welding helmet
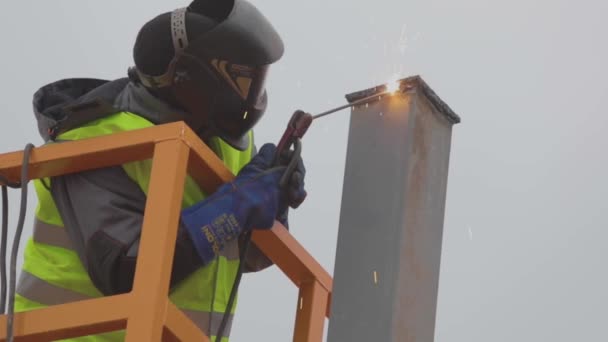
x: 220, y: 52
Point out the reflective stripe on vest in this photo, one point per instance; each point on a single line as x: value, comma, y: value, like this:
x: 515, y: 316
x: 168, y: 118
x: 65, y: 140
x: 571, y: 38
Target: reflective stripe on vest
x: 209, y: 322
x: 53, y: 235
x: 40, y: 291
x: 51, y: 275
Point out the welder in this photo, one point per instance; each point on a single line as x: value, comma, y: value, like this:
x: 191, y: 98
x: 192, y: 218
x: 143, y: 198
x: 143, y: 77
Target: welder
x: 205, y: 65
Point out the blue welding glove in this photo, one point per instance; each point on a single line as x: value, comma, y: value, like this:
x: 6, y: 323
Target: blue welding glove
x: 295, y: 192
x: 251, y: 201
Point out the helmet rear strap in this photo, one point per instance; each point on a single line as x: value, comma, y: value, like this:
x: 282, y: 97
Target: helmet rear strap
x: 180, y: 42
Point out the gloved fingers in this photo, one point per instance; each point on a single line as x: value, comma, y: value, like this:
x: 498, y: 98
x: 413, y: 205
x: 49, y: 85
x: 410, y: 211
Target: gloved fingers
x: 273, y: 169
x: 295, y: 186
x: 283, y: 217
x: 265, y: 156
x: 296, y: 194
x: 300, y: 166
x: 285, y: 157
x: 260, y: 162
x: 298, y: 199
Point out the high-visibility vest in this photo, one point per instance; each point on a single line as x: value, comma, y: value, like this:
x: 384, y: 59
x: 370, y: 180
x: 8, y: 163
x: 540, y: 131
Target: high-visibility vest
x: 53, y: 273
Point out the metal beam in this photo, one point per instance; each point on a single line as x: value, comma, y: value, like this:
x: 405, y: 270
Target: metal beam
x: 391, y: 222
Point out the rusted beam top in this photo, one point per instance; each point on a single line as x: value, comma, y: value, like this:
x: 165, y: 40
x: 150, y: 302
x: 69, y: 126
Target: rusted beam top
x: 68, y: 157
x: 70, y: 320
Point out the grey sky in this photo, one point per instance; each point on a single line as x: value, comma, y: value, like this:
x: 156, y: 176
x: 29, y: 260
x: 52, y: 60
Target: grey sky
x: 524, y: 253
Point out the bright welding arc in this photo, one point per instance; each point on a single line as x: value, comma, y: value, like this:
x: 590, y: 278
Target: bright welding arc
x: 393, y: 86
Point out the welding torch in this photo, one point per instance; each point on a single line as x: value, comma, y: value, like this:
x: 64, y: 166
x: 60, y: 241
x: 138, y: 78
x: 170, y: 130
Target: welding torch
x: 300, y: 121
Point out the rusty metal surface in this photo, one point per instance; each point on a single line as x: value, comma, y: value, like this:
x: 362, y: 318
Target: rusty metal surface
x: 150, y: 315
x: 310, y: 313
x: 391, y: 223
x: 70, y: 320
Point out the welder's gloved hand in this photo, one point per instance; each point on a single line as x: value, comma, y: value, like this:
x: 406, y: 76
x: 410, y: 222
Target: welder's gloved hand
x: 296, y: 194
x: 294, y: 189
x: 251, y: 201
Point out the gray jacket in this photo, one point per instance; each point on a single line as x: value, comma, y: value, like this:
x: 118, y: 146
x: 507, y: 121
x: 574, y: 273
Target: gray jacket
x: 103, y: 209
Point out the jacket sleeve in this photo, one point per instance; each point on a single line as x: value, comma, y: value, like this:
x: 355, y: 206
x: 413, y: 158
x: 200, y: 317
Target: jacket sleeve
x: 102, y: 211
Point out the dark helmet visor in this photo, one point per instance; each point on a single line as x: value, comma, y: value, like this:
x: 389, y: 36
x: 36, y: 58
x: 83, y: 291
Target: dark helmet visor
x: 236, y: 110
x: 227, y: 98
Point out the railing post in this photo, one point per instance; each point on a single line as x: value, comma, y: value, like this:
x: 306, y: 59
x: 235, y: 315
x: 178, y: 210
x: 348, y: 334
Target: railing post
x: 310, y: 314
x: 157, y: 245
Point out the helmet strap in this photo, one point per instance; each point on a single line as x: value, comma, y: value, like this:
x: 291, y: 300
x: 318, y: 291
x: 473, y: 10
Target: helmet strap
x: 178, y: 29
x: 180, y: 42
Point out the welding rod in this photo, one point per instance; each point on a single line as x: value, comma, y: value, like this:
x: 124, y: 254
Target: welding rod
x: 351, y: 104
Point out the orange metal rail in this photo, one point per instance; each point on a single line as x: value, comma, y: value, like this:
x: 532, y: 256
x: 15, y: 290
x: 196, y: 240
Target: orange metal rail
x: 146, y: 312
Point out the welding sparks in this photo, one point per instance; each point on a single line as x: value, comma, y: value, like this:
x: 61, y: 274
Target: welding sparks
x: 393, y: 85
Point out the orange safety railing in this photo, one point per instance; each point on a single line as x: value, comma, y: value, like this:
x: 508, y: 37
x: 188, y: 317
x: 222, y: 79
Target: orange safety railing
x: 146, y: 312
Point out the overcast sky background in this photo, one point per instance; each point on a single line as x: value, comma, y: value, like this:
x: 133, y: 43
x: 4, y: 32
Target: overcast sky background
x: 524, y: 255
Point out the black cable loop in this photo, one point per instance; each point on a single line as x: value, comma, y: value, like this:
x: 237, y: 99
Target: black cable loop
x: 16, y: 240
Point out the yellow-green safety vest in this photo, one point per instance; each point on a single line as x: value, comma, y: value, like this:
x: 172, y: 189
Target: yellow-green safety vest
x: 54, y: 274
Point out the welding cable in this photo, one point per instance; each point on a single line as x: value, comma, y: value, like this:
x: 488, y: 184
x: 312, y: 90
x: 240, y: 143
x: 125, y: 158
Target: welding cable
x: 3, y: 249
x: 16, y: 240
x: 293, y: 162
x: 235, y: 287
x: 4, y: 238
